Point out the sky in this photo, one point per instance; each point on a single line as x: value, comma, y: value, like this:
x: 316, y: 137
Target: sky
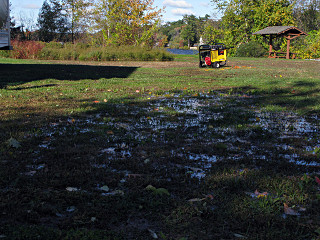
x: 28, y: 10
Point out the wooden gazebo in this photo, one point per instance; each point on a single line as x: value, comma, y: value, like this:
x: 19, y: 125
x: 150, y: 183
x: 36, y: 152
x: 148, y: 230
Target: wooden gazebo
x: 289, y: 32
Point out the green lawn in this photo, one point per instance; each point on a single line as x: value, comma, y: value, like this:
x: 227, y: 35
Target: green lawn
x: 130, y: 150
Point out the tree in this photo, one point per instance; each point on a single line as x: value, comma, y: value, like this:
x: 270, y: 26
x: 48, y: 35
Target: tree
x: 307, y: 14
x: 78, y: 14
x: 189, y: 31
x: 52, y: 22
x: 129, y: 22
x: 243, y: 17
x: 212, y: 32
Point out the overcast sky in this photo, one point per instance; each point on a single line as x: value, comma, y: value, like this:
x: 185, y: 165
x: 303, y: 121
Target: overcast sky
x: 174, y: 9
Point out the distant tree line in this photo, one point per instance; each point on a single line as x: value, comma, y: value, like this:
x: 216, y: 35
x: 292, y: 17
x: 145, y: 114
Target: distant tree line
x: 103, y: 22
x: 138, y: 22
x: 241, y: 18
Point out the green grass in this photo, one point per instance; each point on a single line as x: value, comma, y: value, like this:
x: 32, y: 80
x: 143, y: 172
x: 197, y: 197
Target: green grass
x: 147, y: 132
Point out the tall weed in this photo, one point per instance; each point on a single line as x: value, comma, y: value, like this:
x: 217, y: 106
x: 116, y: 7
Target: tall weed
x: 83, y: 52
x: 25, y: 49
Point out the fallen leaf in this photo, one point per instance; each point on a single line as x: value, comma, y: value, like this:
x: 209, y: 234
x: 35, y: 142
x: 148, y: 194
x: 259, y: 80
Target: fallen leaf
x: 105, y: 188
x: 290, y: 211
x: 72, y: 189
x: 113, y: 193
x: 14, y: 143
x: 108, y: 150
x: 196, y: 199
x: 31, y: 173
x: 105, y: 100
x: 72, y: 121
x: 132, y: 175
x: 239, y: 235
x: 196, y: 169
x: 96, y: 101
x: 93, y: 219
x: 71, y: 209
x: 123, y: 125
x: 147, y: 161
x: 302, y: 209
x: 153, y: 234
x: 210, y: 196
x: 258, y: 194
x: 110, y: 133
x: 59, y: 215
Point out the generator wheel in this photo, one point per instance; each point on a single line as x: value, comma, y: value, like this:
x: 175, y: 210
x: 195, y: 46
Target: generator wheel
x: 216, y: 64
x: 200, y: 65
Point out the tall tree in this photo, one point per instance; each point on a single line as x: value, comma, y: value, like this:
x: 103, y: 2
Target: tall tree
x: 243, y: 17
x: 189, y: 30
x: 307, y: 14
x: 52, y: 21
x: 131, y: 22
x: 78, y: 14
x: 212, y: 31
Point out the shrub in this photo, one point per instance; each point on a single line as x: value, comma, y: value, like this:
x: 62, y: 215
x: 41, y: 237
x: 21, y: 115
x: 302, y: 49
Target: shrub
x: 49, y: 54
x: 250, y: 49
x: 312, y: 45
x: 26, y: 49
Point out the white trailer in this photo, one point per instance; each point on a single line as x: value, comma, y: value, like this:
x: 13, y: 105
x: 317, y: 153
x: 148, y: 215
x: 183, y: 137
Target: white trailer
x: 5, y: 25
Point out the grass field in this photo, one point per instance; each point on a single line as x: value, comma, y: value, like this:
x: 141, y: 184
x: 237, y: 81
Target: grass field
x: 159, y: 150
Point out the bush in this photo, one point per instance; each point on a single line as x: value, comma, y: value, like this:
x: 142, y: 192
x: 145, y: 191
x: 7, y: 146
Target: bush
x: 25, y: 49
x: 311, y: 48
x: 250, y: 49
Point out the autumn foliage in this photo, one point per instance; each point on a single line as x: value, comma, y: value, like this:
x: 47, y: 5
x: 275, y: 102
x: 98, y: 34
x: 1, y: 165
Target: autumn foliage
x: 26, y: 49
x: 127, y: 22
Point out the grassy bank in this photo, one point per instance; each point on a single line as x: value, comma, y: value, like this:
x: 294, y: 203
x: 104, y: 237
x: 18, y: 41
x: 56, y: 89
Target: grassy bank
x: 139, y: 150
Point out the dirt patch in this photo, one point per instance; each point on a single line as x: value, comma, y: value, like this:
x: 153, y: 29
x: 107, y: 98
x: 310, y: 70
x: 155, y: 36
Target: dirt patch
x: 153, y: 64
x: 278, y: 63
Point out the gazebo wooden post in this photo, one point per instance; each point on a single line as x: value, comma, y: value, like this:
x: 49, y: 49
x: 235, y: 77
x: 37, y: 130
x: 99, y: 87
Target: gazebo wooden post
x: 288, y: 48
x: 270, y: 46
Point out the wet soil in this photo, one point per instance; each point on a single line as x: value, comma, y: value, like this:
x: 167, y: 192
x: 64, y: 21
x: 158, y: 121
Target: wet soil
x: 135, y: 169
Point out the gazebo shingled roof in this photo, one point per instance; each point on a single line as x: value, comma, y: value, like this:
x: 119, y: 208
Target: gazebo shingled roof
x: 289, y: 32
x: 277, y: 30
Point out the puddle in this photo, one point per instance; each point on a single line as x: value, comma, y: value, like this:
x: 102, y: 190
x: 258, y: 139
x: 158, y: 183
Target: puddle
x: 205, y: 160
x: 244, y: 131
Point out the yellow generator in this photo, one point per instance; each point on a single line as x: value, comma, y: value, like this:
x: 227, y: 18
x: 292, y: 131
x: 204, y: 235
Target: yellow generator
x: 214, y: 55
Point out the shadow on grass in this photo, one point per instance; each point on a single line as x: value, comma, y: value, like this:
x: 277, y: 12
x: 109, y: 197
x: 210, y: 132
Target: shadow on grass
x: 302, y: 97
x: 14, y: 74
x: 164, y: 143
